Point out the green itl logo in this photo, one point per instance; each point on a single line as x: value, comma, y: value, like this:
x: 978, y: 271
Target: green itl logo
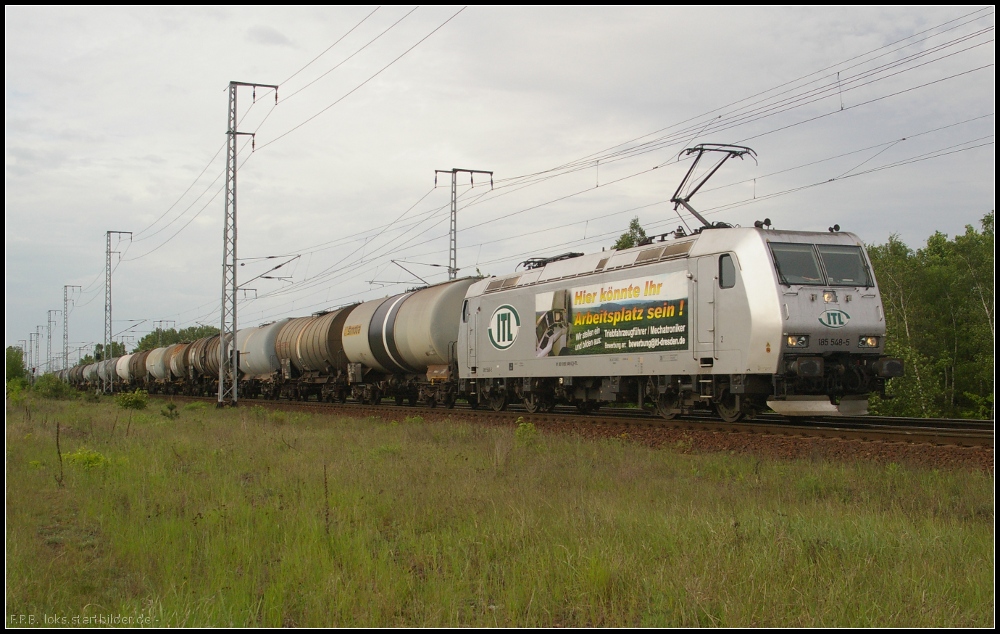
x: 834, y: 319
x: 504, y: 324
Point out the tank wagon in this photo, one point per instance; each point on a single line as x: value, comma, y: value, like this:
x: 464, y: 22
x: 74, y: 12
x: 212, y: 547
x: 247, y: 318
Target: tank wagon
x: 404, y: 346
x: 311, y: 357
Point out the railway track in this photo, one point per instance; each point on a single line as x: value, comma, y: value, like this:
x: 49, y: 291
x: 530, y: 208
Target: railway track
x: 942, y: 432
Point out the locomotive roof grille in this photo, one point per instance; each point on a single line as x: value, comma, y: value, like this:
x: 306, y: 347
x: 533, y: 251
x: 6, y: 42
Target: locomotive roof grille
x: 628, y: 259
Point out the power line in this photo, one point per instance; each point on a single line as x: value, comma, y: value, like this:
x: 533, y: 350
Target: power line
x: 348, y: 58
x: 327, y: 49
x: 359, y: 86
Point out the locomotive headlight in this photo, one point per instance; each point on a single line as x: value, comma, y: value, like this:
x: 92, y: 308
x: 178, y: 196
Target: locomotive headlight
x: 830, y: 297
x: 868, y: 341
x: 797, y: 341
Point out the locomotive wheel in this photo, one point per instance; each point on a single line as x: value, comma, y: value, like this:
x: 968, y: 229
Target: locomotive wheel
x: 665, y: 406
x: 536, y: 402
x: 498, y: 401
x: 729, y: 406
x: 532, y: 403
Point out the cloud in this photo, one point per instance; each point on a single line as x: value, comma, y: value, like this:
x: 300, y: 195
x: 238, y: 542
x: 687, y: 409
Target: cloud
x: 268, y: 36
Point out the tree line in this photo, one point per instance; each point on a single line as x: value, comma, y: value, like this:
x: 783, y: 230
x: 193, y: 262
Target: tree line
x: 939, y: 310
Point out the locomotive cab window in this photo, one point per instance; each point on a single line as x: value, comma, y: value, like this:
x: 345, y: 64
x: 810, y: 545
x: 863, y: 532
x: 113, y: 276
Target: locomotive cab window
x: 796, y: 264
x: 727, y: 271
x: 845, y: 266
x: 465, y: 311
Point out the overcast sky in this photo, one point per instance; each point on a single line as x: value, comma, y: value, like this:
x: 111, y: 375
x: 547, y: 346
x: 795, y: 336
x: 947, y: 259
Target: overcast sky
x: 878, y: 119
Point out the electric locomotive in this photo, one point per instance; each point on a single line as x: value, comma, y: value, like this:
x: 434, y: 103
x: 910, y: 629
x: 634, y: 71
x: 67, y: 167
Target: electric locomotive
x: 731, y: 318
x: 728, y: 318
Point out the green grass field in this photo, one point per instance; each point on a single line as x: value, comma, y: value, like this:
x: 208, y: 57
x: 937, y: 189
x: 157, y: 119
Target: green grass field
x: 248, y: 517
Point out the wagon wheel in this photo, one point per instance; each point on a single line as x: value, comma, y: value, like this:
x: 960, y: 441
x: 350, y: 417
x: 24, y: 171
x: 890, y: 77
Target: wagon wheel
x: 412, y: 400
x: 473, y: 400
x: 449, y: 401
x: 432, y: 401
x: 400, y: 400
x: 342, y: 396
x: 729, y: 406
x: 498, y: 401
x: 376, y: 397
x: 587, y: 407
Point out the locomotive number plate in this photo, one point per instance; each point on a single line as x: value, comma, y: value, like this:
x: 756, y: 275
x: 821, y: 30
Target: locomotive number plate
x: 843, y: 342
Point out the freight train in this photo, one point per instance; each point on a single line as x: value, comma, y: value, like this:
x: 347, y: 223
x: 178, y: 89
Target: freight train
x: 724, y: 318
x: 731, y: 319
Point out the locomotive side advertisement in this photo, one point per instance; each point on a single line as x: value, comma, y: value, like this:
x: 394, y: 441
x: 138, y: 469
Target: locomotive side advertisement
x: 642, y: 314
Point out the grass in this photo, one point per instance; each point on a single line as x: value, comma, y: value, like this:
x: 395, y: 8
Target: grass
x: 249, y: 517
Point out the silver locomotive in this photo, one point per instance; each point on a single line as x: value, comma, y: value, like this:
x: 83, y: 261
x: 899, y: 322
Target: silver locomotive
x: 730, y: 318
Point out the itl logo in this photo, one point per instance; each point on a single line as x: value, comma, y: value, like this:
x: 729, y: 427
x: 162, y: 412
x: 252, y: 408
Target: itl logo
x: 834, y: 319
x: 504, y: 324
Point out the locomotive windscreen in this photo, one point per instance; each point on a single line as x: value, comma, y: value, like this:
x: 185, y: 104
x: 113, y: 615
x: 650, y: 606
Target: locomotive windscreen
x: 845, y: 265
x: 820, y: 265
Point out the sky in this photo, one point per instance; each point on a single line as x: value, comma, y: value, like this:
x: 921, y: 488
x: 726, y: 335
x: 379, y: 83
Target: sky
x: 880, y: 120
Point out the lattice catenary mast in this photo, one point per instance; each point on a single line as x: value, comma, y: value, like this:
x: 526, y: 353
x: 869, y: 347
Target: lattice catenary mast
x: 453, y: 232
x: 108, y: 333
x: 229, y: 359
x: 66, y: 324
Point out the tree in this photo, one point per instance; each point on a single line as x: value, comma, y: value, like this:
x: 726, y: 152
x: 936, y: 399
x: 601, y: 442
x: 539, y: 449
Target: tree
x: 631, y: 238
x: 939, y: 308
x: 117, y: 350
x: 165, y: 337
x: 15, y: 364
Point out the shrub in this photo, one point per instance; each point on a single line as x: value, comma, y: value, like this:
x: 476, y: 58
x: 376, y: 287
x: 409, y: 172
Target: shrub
x: 17, y: 389
x: 526, y: 433
x: 132, y: 400
x: 49, y: 386
x: 86, y: 458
